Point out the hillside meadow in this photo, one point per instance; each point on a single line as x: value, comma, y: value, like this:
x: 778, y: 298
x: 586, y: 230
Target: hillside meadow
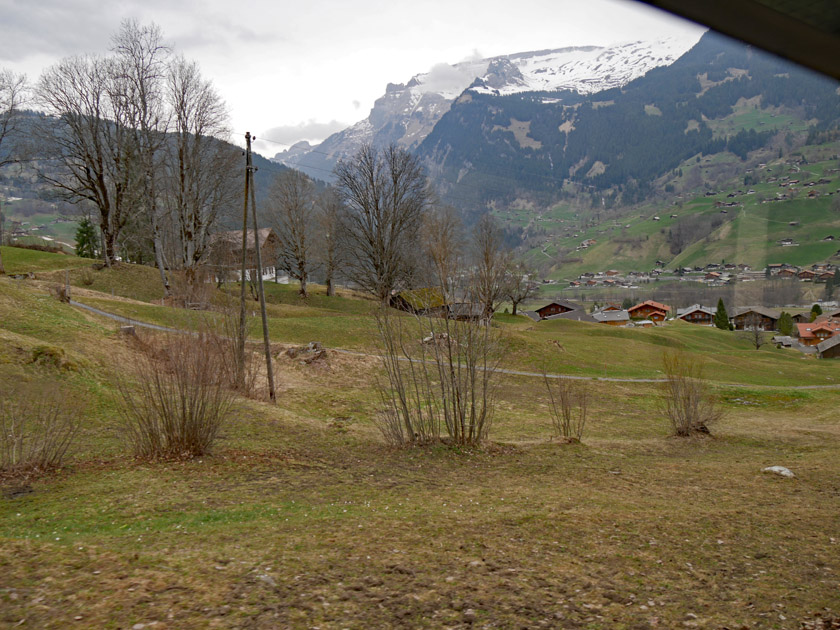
x: 303, y: 517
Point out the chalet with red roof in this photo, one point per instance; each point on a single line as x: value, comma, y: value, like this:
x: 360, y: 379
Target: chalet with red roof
x: 649, y: 309
x: 814, y: 333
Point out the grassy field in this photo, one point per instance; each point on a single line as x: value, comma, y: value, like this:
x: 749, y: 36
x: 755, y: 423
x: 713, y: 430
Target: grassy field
x: 17, y: 260
x: 302, y: 517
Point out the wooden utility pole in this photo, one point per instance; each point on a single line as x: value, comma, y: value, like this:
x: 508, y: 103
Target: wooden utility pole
x: 260, y: 288
x: 240, y: 342
x: 2, y: 269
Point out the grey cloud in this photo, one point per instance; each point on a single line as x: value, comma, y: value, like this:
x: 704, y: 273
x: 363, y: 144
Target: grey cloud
x: 444, y: 77
x: 62, y: 28
x: 311, y: 130
x: 53, y: 27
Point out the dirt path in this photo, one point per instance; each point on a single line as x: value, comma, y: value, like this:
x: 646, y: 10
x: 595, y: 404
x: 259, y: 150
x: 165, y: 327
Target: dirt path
x: 608, y: 379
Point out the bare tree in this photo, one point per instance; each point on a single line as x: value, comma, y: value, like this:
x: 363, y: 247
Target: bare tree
x: 140, y: 74
x: 491, y: 260
x: 328, y: 238
x: 442, y: 240
x: 13, y: 94
x: 385, y: 194
x: 86, y: 132
x: 520, y: 285
x: 753, y: 331
x: 200, y: 180
x: 292, y: 202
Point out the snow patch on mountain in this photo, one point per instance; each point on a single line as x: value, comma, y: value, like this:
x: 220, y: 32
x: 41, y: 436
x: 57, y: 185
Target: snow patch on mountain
x: 407, y: 113
x: 584, y: 69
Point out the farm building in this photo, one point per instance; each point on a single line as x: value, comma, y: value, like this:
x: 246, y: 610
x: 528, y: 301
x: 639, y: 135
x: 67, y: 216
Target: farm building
x: 427, y: 301
x: 751, y: 316
x: 225, y: 257
x: 814, y: 333
x: 697, y: 314
x: 557, y: 307
x: 612, y: 318
x: 830, y: 348
x: 649, y: 309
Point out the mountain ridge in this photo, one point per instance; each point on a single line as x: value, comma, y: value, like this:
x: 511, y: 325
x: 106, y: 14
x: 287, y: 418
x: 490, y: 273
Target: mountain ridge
x: 407, y: 113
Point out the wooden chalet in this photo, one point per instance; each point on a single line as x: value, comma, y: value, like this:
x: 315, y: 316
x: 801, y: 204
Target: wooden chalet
x: 649, y: 309
x: 612, y: 318
x: 609, y: 306
x: 801, y: 318
x: 787, y: 272
x: 558, y: 307
x: 825, y: 276
x: 830, y: 348
x: 815, y: 333
x: 467, y: 311
x: 806, y: 274
x: 748, y: 317
x: 696, y: 314
x: 225, y: 257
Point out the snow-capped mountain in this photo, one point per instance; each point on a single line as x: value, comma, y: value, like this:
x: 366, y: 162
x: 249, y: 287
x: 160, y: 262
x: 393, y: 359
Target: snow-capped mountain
x: 407, y: 113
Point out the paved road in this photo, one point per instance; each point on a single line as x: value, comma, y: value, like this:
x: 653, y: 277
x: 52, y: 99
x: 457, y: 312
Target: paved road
x: 134, y: 322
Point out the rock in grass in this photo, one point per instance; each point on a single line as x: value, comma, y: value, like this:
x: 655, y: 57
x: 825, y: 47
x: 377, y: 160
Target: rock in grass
x: 778, y: 470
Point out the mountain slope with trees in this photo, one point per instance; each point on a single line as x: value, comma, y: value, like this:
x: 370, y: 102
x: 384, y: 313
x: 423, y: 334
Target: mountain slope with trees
x: 546, y: 146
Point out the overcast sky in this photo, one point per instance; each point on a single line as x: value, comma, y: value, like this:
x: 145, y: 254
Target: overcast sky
x: 292, y: 70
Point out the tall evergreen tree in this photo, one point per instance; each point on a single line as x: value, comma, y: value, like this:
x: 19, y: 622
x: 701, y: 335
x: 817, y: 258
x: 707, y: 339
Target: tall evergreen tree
x: 721, y: 318
x: 86, y: 239
x: 785, y: 323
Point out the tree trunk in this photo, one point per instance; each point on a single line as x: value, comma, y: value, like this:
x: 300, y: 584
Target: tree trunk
x: 330, y: 287
x: 108, y: 246
x: 302, y: 289
x: 514, y: 307
x: 157, y: 242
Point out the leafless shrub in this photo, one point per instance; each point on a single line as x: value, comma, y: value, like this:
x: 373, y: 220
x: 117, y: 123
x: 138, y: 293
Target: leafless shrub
x: 86, y: 277
x: 446, y: 385
x: 36, y: 429
x: 243, y: 379
x: 569, y: 406
x: 687, y: 401
x: 181, y: 399
x: 442, y: 362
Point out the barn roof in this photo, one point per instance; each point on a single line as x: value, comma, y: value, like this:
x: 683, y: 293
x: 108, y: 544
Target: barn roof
x: 760, y: 310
